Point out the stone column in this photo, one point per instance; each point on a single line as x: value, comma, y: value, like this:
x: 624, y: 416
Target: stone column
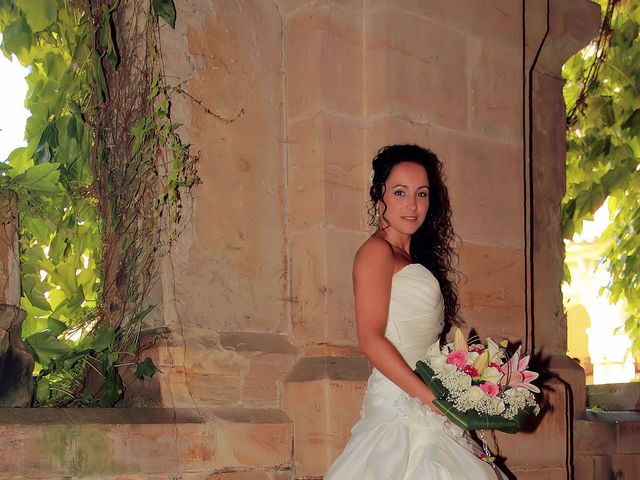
x: 326, y: 180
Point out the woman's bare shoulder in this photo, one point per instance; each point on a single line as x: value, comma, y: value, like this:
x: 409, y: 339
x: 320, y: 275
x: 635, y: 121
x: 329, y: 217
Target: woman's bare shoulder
x: 374, y: 255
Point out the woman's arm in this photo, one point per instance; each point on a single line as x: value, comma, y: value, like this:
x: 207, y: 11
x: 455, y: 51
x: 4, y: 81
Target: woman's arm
x: 373, y: 270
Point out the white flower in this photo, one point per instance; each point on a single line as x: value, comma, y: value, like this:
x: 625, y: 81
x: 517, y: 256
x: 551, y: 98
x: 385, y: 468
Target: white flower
x: 476, y: 393
x: 498, y: 405
x: 492, y: 374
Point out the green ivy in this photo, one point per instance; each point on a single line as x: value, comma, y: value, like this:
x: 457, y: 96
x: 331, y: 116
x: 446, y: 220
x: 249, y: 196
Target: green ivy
x: 75, y: 212
x: 603, y: 151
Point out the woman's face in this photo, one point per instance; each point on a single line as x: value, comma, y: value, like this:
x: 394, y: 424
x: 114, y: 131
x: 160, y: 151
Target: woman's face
x: 407, y: 199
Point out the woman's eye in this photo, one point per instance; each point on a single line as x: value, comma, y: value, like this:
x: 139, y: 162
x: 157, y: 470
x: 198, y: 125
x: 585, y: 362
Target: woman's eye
x: 422, y: 194
x: 399, y: 193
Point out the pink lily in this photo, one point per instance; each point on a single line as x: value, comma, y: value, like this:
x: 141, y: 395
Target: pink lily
x: 516, y: 375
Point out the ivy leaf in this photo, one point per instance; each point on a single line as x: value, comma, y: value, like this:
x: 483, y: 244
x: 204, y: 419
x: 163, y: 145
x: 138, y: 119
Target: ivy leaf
x: 166, y: 10
x: 43, y: 390
x: 632, y: 124
x: 39, y: 178
x: 48, y: 140
x: 46, y: 347
x: 107, y: 36
x: 39, y: 13
x: 145, y: 369
x: 56, y: 327
x: 17, y: 38
x: 112, y: 389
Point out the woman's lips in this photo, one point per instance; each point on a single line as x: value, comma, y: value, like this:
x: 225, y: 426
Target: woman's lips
x: 410, y: 219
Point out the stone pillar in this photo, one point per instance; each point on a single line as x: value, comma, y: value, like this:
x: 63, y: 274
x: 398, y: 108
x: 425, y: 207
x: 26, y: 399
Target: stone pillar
x: 326, y: 182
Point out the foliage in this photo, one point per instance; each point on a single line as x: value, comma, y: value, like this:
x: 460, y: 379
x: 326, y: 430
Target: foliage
x: 101, y: 174
x: 603, y: 151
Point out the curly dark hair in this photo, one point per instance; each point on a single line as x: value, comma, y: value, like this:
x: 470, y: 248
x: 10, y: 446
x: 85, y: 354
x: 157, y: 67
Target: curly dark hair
x: 433, y: 244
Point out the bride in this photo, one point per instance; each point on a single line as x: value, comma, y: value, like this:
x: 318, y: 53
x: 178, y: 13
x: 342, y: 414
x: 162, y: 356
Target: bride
x: 404, y: 298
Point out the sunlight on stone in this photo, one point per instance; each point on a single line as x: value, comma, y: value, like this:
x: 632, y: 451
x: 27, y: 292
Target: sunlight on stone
x: 595, y: 327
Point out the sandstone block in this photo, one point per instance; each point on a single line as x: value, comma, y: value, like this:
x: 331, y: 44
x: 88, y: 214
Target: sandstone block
x: 497, y: 20
x: 593, y: 467
x: 224, y: 256
x: 324, y: 63
x: 552, y: 473
x: 495, y: 276
x: 252, y: 475
x: 495, y: 95
x: 626, y: 467
x: 251, y: 437
x: 572, y: 373
x: 614, y: 396
x: 628, y: 435
x: 323, y: 396
x: 593, y: 437
x: 321, y: 285
x: 543, y: 446
x: 400, y: 84
x: 326, y: 182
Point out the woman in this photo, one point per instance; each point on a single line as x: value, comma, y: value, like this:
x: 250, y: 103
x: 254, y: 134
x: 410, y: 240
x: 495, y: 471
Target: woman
x: 404, y: 297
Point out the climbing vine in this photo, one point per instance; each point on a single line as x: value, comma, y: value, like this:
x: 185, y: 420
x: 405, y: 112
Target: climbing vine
x: 100, y: 185
x: 602, y: 94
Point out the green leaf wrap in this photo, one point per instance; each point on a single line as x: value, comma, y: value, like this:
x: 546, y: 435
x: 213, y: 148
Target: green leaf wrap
x: 470, y: 420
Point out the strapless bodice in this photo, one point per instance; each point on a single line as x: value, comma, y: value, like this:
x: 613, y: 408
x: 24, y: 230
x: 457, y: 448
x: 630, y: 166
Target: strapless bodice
x: 416, y: 312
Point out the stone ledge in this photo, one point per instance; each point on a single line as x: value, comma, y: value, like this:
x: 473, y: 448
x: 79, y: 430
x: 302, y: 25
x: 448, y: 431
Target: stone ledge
x: 347, y: 369
x: 614, y: 396
x: 84, y: 442
x: 627, y: 429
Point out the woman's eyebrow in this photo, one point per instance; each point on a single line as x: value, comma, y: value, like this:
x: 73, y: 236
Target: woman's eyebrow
x: 403, y: 185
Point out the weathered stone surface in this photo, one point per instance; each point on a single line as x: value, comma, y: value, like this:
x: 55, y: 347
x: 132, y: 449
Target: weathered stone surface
x: 109, y: 442
x: 254, y: 475
x: 251, y: 437
x: 614, y: 396
x: 322, y: 306
x: 324, y: 61
x: 415, y: 88
x: 572, y: 374
x: 626, y: 467
x: 593, y: 467
x: 552, y: 473
x: 544, y: 441
x: 629, y: 436
x: 593, y: 437
x: 492, y: 292
x: 229, y: 271
x: 16, y: 363
x: 323, y: 396
x: 9, y: 250
x: 326, y: 175
x: 495, y: 92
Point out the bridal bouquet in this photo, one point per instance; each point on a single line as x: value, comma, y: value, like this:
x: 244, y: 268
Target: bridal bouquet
x: 480, y: 387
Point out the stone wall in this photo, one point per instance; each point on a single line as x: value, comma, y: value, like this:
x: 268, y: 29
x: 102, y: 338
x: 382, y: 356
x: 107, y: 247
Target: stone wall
x: 261, y: 376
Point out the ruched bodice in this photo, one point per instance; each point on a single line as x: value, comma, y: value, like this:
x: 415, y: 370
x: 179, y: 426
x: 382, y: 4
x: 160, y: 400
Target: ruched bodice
x: 396, y: 437
x: 416, y: 312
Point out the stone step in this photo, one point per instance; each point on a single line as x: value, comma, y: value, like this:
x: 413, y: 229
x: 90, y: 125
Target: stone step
x: 323, y: 397
x: 229, y: 369
x: 154, y: 442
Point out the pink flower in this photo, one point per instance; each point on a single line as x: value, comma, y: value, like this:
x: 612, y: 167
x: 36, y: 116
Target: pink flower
x: 457, y: 358
x: 516, y: 375
x: 490, y: 388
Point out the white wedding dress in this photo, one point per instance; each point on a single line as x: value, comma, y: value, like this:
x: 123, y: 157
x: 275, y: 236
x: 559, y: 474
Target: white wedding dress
x: 396, y: 437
